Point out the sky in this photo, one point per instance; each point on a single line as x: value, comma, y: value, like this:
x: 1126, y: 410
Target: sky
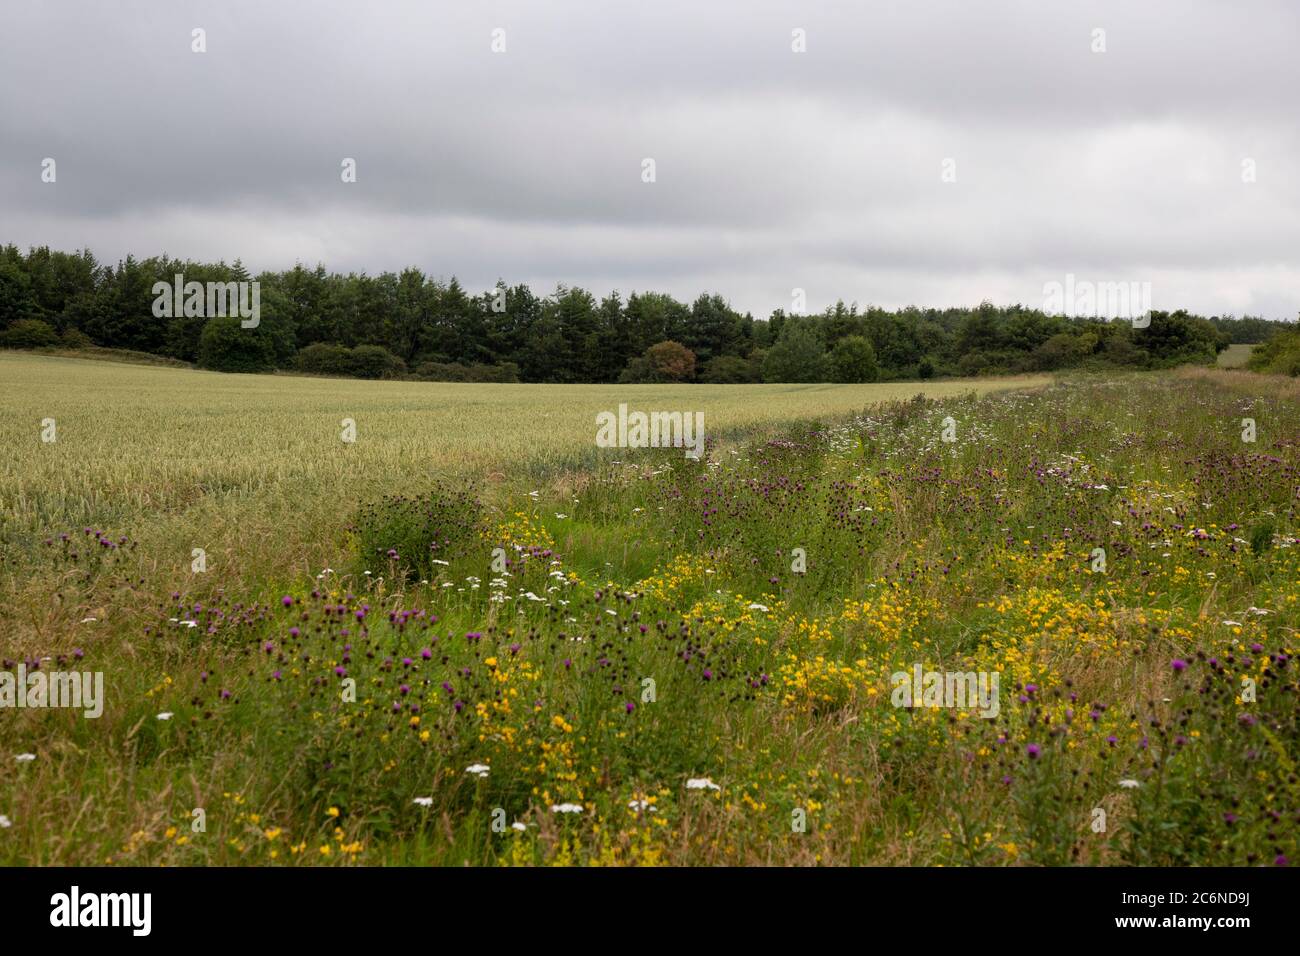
x: 884, y: 153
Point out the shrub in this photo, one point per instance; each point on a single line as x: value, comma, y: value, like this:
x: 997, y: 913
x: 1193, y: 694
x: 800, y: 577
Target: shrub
x: 662, y: 362
x: 1280, y: 355
x: 853, y: 360
x: 671, y: 362
x: 1062, y: 350
x: 731, y: 370
x: 323, y: 358
x: 456, y: 372
x: 75, y: 339
x: 797, y: 357
x: 225, y: 346
x: 374, y: 361
x: 29, y: 334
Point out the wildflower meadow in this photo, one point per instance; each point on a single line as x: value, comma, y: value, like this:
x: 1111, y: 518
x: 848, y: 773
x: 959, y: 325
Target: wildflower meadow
x: 1040, y: 621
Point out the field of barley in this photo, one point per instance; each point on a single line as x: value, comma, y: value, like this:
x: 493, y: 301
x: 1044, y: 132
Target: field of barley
x: 471, y: 636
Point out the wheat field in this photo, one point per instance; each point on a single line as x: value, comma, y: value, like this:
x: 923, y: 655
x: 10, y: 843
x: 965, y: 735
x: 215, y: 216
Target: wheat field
x: 254, y: 468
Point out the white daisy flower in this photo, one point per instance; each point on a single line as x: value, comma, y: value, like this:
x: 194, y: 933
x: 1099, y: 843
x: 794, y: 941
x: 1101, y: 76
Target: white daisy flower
x: 566, y: 808
x: 478, y: 769
x: 423, y: 801
x: 1129, y: 784
x: 25, y: 758
x: 165, y: 715
x: 701, y: 783
x: 5, y: 822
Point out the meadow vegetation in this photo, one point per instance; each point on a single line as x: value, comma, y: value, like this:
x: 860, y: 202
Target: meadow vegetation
x: 471, y: 636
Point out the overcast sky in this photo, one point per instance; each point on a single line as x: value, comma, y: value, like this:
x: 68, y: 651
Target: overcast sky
x: 774, y: 169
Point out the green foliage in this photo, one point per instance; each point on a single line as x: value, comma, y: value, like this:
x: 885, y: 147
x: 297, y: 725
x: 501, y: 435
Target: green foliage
x: 324, y: 358
x: 29, y: 334
x: 375, y: 361
x: 798, y: 356
x: 731, y: 370
x: 455, y: 372
x: 661, y: 363
x: 853, y: 360
x: 1280, y: 355
x: 75, y: 339
x: 414, y: 534
x: 570, y: 336
x: 225, y: 346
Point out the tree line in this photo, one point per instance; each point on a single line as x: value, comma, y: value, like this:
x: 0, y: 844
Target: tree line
x: 410, y: 325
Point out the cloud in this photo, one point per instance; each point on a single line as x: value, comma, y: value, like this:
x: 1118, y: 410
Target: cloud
x: 774, y: 169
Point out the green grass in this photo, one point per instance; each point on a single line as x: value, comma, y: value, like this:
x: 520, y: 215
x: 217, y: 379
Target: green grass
x: 653, y: 625
x: 1235, y: 356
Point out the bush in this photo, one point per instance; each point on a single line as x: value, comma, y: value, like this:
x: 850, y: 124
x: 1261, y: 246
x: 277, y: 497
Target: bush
x: 671, y: 362
x: 323, y: 358
x: 374, y: 361
x: 1280, y: 355
x: 1062, y: 350
x: 225, y: 346
x: 797, y: 357
x: 926, y: 369
x: 413, y: 532
x: 75, y: 339
x: 731, y: 370
x: 990, y: 363
x: 455, y: 372
x: 853, y: 360
x: 662, y: 362
x: 29, y: 334
x: 364, y: 361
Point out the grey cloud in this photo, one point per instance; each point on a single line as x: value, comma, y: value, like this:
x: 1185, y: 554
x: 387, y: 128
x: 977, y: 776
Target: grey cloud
x: 775, y: 170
